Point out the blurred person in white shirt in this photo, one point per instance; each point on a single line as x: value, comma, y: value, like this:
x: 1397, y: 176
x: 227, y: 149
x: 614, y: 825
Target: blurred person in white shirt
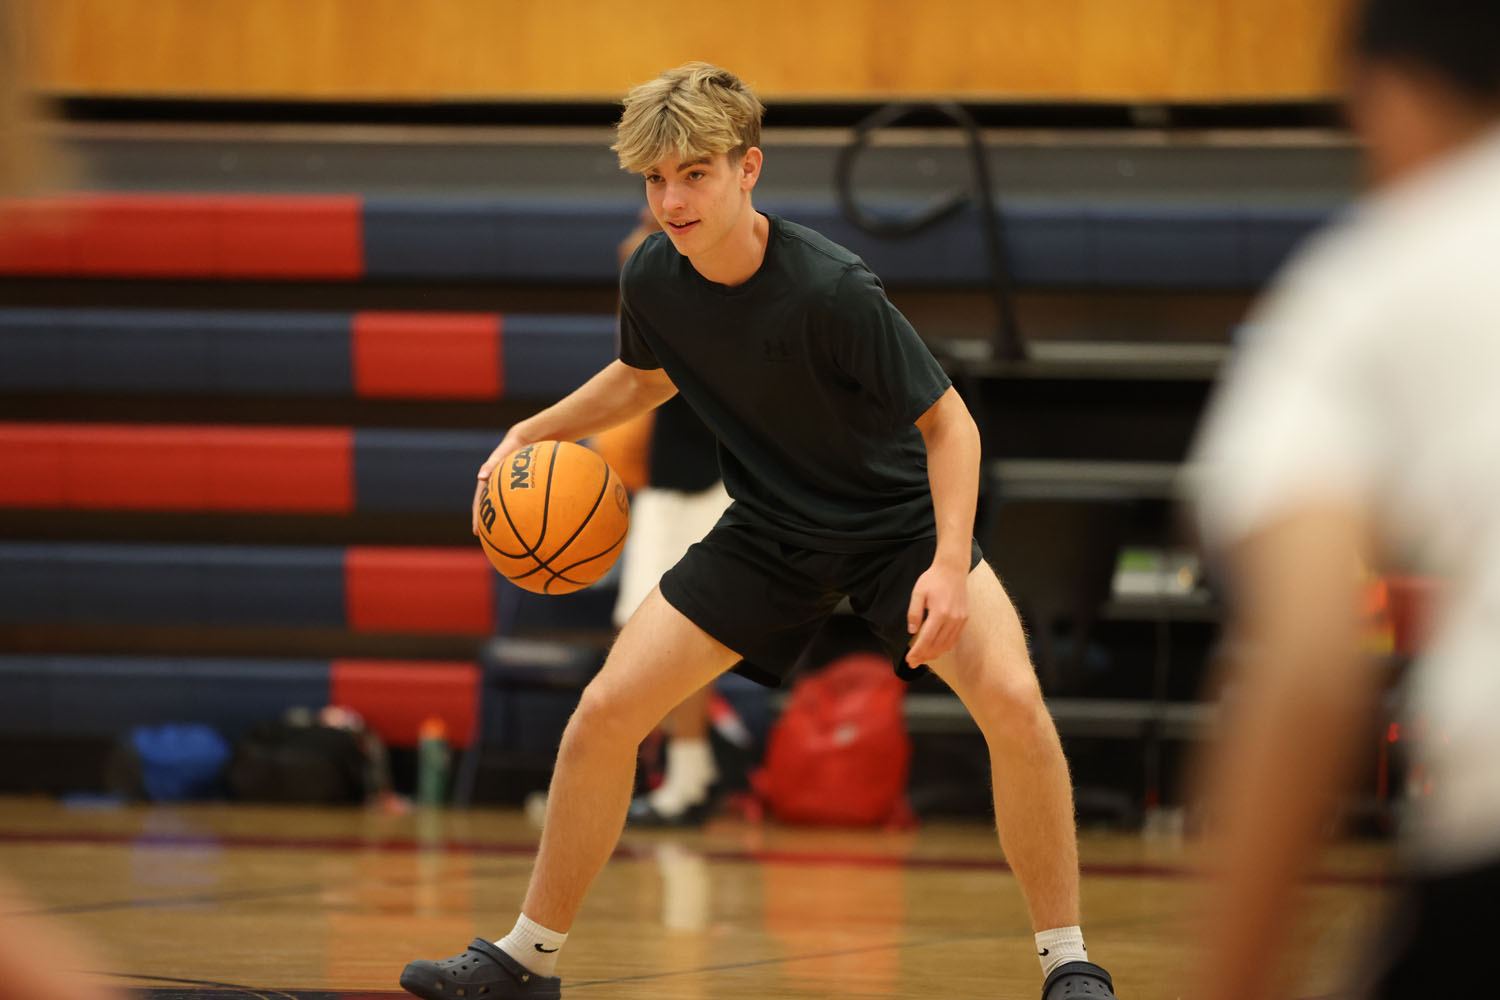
x: 1361, y: 426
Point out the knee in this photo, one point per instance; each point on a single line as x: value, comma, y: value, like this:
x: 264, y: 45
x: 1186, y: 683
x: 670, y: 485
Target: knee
x: 1010, y: 709
x: 602, y: 723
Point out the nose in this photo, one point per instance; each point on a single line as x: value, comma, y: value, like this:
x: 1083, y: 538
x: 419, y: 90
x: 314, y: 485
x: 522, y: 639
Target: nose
x: 672, y: 198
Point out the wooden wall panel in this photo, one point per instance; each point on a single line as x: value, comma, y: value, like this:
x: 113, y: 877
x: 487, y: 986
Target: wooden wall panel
x: 530, y: 49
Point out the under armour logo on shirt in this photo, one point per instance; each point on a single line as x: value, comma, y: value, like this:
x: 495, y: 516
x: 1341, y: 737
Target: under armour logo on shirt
x: 777, y: 349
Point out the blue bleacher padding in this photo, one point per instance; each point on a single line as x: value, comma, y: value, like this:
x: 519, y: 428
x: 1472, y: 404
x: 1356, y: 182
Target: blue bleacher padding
x: 1102, y: 244
x: 35, y: 349
x: 148, y: 350
x: 1272, y: 233
x: 550, y: 356
x: 528, y: 240
x: 414, y: 471
x: 1162, y: 246
x: 109, y: 695
x: 59, y: 582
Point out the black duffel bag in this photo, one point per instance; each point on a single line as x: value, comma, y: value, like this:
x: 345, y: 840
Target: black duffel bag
x: 278, y: 762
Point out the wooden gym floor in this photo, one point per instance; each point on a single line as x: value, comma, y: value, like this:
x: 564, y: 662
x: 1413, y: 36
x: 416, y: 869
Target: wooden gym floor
x: 189, y: 902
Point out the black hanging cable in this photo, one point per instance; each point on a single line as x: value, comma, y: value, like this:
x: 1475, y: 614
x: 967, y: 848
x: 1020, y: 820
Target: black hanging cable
x: 1007, y: 342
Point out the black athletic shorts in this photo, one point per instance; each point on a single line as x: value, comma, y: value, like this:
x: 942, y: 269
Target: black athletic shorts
x: 766, y: 599
x: 1436, y: 937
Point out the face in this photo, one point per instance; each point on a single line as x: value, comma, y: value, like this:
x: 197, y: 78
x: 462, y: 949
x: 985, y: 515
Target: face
x: 1407, y: 119
x: 699, y: 200
x: 1389, y: 117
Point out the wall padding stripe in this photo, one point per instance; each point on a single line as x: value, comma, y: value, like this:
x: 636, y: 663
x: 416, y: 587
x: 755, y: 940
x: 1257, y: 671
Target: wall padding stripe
x: 125, y: 467
x: 408, y: 355
x: 395, y: 697
x: 401, y: 471
x: 1094, y: 243
x: 100, y: 584
x: 184, y: 236
x: 72, y: 696
x: 226, y: 352
x: 415, y: 590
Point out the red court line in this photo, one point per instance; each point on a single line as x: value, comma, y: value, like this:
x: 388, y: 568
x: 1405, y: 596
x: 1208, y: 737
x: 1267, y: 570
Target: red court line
x: 411, y: 355
x: 632, y: 852
x: 177, y: 468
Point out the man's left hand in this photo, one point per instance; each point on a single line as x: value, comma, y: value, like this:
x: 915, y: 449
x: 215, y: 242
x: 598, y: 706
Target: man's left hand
x: 939, y: 608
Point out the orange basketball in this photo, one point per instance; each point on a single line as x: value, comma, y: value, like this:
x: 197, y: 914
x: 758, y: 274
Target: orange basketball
x: 553, y: 517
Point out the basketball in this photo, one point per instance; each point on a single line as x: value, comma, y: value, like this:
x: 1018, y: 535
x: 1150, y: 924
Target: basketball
x: 553, y: 517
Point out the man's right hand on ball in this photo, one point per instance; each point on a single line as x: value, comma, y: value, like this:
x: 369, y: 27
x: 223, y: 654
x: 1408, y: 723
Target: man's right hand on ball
x: 513, y: 442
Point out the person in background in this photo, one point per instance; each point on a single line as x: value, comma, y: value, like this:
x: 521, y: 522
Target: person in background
x: 1362, y: 424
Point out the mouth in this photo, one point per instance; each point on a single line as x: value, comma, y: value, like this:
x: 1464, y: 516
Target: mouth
x: 681, y: 227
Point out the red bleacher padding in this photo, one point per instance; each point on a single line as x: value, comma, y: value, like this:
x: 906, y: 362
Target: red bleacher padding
x: 184, y: 236
x: 110, y: 466
x: 419, y: 590
x: 394, y: 697
x: 405, y: 355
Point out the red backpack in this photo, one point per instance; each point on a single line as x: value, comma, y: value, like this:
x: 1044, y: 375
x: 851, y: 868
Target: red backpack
x: 840, y: 753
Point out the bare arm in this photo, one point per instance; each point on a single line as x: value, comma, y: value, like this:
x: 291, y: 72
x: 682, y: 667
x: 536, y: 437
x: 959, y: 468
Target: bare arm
x: 615, y: 395
x: 953, y: 472
x: 1300, y: 699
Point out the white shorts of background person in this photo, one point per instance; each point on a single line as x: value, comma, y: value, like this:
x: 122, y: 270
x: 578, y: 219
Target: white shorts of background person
x: 663, y: 524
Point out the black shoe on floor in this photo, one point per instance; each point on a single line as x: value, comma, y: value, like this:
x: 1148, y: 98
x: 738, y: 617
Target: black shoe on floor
x: 644, y: 814
x: 482, y: 972
x: 1078, y: 981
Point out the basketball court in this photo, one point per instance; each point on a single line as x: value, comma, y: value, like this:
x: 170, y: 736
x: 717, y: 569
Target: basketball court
x: 216, y: 901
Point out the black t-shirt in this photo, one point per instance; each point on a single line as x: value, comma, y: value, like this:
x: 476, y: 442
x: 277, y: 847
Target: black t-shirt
x: 684, y: 455
x: 808, y: 376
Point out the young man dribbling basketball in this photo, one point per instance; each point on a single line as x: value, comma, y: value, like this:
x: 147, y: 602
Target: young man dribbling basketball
x: 854, y: 467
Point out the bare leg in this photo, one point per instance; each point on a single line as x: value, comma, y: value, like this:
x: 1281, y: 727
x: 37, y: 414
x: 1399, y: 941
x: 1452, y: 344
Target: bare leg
x: 689, y: 721
x: 659, y: 659
x: 991, y: 673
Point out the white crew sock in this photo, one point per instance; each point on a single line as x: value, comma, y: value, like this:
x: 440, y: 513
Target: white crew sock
x: 533, y: 945
x: 1059, y: 945
x: 690, y: 771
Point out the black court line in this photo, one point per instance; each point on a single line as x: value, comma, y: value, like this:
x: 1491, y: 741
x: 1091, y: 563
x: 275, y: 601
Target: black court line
x: 149, y: 902
x: 206, y: 989
x: 631, y: 852
x: 190, y: 989
x: 240, y: 895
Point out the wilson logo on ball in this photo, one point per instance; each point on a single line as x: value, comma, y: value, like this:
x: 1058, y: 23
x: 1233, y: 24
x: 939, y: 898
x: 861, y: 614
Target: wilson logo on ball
x: 553, y: 517
x: 520, y: 469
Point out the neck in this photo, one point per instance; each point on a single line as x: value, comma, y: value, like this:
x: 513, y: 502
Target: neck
x: 735, y: 259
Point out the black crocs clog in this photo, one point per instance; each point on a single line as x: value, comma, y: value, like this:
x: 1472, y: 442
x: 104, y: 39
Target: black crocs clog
x: 482, y: 972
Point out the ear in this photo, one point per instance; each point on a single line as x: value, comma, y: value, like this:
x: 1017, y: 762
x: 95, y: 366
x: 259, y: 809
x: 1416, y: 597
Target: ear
x: 750, y: 165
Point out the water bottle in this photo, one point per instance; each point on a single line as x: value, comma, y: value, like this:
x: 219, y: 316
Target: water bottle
x: 432, y: 761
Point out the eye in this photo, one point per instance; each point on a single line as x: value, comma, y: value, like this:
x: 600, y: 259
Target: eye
x: 653, y: 178
x: 696, y: 175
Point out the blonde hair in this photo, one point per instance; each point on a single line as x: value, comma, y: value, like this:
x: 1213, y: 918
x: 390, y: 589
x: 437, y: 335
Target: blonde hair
x: 693, y: 110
